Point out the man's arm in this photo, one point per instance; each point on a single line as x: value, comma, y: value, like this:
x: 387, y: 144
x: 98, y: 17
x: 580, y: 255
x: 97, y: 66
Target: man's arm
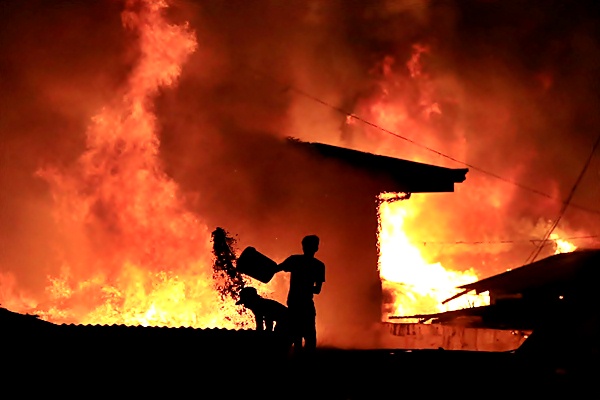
x: 284, y: 265
x: 319, y: 278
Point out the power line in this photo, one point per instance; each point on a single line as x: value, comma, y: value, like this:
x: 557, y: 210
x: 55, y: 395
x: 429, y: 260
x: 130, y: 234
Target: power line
x: 508, y: 241
x: 492, y: 174
x: 439, y: 153
x: 566, y: 203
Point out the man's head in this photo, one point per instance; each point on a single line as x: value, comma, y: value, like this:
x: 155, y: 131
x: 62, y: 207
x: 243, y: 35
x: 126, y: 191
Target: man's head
x: 310, y: 244
x: 247, y: 295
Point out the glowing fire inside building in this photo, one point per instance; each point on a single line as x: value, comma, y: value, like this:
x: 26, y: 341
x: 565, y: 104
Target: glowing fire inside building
x: 117, y: 200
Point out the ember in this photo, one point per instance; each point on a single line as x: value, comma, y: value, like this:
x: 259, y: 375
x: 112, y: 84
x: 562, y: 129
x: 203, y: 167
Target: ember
x: 227, y: 280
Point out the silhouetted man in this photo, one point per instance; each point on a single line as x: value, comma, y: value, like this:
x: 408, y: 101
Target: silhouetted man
x: 307, y: 275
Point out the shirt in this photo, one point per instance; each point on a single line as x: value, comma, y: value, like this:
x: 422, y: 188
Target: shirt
x: 305, y: 272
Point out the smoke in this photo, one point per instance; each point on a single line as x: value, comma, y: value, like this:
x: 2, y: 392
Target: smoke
x: 509, y: 88
x: 60, y: 63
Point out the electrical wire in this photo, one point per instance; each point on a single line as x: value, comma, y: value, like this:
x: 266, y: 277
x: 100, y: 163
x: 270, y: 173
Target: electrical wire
x: 508, y: 241
x: 439, y: 153
x: 534, y: 255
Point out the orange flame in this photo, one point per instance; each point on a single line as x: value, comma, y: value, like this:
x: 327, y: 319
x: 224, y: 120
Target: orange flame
x: 133, y: 254
x: 412, y: 284
x: 562, y: 246
x: 131, y: 251
x: 415, y: 286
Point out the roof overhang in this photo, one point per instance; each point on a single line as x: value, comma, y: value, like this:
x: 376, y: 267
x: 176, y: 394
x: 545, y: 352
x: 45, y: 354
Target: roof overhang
x: 399, y: 175
x: 556, y: 268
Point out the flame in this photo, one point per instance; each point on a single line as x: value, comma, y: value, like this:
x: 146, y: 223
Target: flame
x: 413, y: 285
x: 131, y: 253
x: 562, y: 246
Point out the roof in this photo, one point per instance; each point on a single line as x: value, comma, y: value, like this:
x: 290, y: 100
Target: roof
x: 573, y: 274
x: 401, y: 175
x: 554, y: 269
x: 509, y: 315
x: 10, y: 320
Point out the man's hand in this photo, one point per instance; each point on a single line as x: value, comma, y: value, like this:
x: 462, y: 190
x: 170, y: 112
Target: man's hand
x: 317, y: 287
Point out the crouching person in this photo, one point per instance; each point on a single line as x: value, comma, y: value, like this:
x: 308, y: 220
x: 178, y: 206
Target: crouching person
x: 270, y: 315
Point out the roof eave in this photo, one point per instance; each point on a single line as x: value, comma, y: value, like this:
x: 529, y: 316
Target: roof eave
x: 402, y: 175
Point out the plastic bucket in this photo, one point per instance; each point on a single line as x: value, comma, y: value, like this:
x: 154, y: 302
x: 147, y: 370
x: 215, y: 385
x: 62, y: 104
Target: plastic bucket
x: 256, y: 265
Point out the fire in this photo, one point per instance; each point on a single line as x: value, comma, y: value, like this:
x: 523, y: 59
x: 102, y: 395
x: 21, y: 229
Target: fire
x: 562, y: 246
x: 132, y: 253
x: 413, y: 285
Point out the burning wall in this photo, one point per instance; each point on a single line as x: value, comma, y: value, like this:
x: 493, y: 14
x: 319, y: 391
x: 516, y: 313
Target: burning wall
x: 131, y: 129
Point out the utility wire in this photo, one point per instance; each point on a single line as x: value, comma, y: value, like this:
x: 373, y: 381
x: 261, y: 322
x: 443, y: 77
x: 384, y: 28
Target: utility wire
x: 439, y: 153
x: 508, y: 241
x: 492, y: 174
x: 534, y: 255
x: 414, y: 287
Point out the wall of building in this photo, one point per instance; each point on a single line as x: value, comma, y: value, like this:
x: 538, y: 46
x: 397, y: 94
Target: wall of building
x: 448, y: 337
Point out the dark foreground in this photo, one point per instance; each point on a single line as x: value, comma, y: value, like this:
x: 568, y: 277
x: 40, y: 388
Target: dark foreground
x: 120, y: 362
x: 40, y: 359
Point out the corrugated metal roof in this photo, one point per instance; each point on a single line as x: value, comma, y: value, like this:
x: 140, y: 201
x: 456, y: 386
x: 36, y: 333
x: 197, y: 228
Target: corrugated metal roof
x: 10, y: 319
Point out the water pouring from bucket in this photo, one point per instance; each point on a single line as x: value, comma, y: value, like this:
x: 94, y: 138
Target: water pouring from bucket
x: 256, y: 265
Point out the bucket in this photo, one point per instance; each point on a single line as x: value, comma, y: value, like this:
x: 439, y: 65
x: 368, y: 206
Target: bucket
x: 256, y: 265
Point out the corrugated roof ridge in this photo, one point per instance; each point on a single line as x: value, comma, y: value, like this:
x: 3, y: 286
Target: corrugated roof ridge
x: 153, y: 327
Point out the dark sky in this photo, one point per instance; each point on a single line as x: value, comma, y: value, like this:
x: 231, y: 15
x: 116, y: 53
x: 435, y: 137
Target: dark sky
x: 514, y: 84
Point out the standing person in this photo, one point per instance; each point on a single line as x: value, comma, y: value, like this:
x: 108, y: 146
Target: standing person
x: 307, y: 275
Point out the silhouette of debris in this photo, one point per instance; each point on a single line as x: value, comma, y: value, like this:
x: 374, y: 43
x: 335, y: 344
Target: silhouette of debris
x: 227, y: 280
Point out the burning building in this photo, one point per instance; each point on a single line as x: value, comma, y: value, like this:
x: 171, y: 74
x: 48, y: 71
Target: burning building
x: 130, y: 129
x: 526, y: 306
